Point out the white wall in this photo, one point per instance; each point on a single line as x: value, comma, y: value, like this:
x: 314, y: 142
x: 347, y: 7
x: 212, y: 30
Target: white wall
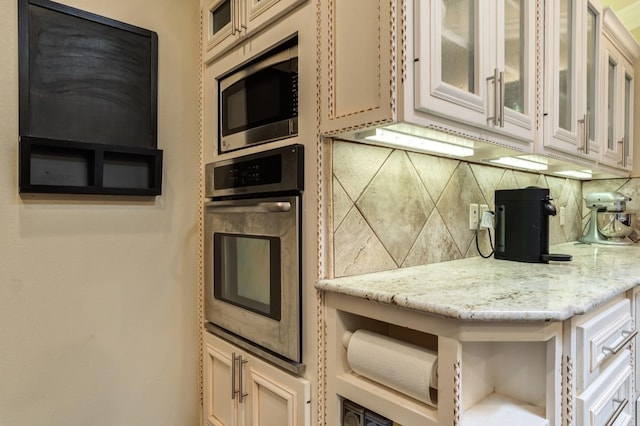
x: 98, y: 296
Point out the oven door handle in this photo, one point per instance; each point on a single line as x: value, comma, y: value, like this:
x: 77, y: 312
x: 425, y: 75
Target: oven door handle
x: 261, y: 207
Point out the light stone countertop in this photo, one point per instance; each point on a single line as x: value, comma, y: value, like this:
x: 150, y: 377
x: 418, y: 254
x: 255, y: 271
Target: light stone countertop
x: 499, y: 290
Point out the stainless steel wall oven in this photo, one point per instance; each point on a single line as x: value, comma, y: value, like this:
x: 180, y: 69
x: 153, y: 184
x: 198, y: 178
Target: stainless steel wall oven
x: 253, y: 248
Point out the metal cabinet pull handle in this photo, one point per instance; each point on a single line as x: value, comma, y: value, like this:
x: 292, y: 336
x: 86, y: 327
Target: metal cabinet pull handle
x: 243, y: 16
x: 241, y: 392
x: 612, y: 351
x: 501, y: 76
x: 496, y: 95
x: 623, y: 157
x: 586, y: 133
x: 584, y: 147
x: 618, y: 411
x: 233, y: 375
x: 233, y: 17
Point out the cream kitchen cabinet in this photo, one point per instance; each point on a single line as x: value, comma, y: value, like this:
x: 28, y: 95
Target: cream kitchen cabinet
x: 393, y: 64
x: 227, y: 22
x: 243, y: 390
x: 476, y: 62
x: 572, y: 78
x: 620, y: 51
x: 598, y: 365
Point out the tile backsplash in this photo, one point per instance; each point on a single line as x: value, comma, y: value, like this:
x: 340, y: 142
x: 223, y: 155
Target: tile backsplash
x: 394, y: 209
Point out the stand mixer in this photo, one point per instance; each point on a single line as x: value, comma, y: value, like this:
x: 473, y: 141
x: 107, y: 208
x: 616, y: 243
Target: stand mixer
x: 608, y: 224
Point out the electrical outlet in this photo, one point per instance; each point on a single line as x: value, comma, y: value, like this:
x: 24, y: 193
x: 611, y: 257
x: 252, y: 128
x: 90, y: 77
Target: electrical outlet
x: 563, y: 215
x: 473, y: 216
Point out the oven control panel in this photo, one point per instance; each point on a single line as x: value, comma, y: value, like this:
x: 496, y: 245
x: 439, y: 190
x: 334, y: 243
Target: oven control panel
x: 275, y: 170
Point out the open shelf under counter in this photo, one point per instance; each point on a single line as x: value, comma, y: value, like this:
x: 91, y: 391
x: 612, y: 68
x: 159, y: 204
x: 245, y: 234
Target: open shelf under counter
x: 499, y: 409
x: 481, y: 366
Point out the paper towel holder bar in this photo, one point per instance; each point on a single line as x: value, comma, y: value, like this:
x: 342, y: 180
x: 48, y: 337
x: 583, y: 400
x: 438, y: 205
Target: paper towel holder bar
x: 399, y: 365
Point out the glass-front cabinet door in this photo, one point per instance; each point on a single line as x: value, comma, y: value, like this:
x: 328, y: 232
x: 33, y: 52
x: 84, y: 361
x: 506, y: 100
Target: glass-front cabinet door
x: 221, y: 27
x: 617, y: 128
x: 620, y: 51
x: 476, y: 62
x: 573, y: 101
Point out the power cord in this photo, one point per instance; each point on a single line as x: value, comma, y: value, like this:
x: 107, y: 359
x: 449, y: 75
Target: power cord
x: 490, y: 240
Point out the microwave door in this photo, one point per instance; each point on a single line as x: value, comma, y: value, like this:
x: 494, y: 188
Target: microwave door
x: 258, y: 109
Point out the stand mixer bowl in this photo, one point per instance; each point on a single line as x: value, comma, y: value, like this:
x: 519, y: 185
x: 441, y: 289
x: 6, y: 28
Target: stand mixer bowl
x: 616, y: 225
x: 609, y: 223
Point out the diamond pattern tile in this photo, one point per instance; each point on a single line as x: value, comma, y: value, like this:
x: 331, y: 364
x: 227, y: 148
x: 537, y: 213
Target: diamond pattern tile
x: 525, y: 179
x: 453, y: 205
x: 357, y: 250
x: 396, y: 205
x: 341, y: 203
x: 384, y: 213
x: 354, y: 165
x: 435, y: 172
x: 488, y: 179
x: 434, y: 244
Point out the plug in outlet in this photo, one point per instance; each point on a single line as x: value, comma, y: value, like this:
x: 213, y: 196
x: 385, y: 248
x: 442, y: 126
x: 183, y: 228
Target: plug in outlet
x: 473, y: 216
x: 486, y: 218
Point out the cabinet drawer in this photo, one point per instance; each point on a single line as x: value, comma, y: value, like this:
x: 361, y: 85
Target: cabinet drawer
x: 600, y: 338
x: 607, y: 400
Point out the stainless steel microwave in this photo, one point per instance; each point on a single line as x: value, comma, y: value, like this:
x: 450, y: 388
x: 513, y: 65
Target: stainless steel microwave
x: 259, y: 102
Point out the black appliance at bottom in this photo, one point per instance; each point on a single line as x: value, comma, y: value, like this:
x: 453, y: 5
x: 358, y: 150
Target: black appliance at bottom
x: 522, y: 225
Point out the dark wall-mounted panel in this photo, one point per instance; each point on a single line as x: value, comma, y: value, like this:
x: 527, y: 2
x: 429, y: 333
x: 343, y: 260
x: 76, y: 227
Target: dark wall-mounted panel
x: 86, y: 79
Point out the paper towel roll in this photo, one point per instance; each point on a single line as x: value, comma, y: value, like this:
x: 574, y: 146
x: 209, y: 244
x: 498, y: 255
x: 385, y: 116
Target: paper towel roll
x: 402, y: 366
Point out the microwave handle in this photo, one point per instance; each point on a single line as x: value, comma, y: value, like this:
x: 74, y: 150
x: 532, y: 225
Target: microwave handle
x: 261, y: 207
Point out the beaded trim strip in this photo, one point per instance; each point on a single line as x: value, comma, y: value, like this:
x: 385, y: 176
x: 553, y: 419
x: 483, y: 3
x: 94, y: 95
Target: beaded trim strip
x: 321, y: 337
x: 457, y: 392
x: 200, y: 225
x: 569, y: 388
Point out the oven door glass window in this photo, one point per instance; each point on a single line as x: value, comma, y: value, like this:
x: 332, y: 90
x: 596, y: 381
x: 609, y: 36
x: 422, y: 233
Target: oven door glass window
x: 247, y: 272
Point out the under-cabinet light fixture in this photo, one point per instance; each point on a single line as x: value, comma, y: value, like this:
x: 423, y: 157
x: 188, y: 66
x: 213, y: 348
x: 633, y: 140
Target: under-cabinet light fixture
x: 403, y: 140
x: 520, y: 163
x: 578, y: 174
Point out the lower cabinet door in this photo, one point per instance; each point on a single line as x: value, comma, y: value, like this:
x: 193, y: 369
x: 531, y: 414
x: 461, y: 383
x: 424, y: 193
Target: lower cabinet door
x: 220, y: 409
x: 241, y: 389
x: 276, y: 398
x: 607, y: 401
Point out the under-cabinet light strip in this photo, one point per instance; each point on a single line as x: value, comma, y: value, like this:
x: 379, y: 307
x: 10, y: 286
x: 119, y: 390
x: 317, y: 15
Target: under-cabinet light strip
x: 520, y: 163
x: 404, y: 140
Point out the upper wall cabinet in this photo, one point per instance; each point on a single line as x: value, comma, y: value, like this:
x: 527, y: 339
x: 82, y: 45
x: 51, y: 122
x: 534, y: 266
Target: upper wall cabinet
x: 501, y: 78
x: 227, y: 22
x: 461, y: 68
x: 619, y: 52
x: 476, y: 63
x: 573, y: 77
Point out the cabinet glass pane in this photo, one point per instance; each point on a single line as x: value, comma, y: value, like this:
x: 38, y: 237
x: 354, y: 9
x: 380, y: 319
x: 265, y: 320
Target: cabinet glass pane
x: 627, y: 113
x: 611, y: 105
x: 566, y: 41
x: 458, y: 44
x: 514, y: 55
x: 220, y: 16
x: 592, y: 63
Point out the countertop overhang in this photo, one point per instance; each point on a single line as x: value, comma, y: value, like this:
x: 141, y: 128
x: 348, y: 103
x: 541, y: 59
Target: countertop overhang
x: 499, y: 290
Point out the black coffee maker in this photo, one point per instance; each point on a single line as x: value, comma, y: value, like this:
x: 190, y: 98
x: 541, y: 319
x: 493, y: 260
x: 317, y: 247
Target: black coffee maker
x: 522, y: 225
